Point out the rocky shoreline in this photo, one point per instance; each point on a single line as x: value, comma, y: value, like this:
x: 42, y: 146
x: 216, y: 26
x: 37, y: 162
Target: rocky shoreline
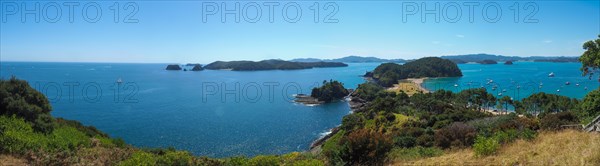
x: 357, y: 104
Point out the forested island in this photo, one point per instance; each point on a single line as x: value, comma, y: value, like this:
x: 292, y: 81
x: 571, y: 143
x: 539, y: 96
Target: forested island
x: 269, y: 65
x: 388, y: 74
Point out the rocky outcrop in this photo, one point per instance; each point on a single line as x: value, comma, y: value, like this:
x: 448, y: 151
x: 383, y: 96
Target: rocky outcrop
x: 197, y: 67
x: 508, y: 63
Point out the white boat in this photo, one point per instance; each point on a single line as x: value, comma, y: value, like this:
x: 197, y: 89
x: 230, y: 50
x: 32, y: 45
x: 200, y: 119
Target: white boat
x: 558, y: 90
x: 551, y: 74
x: 567, y: 83
x: 503, y: 90
x: 576, y: 84
x: 455, y: 85
x: 499, y: 94
x: 119, y: 80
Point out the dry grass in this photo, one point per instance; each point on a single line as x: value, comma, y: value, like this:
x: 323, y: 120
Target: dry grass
x: 549, y: 148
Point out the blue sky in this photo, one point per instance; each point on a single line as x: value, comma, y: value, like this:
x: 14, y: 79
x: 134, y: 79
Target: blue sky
x: 174, y: 32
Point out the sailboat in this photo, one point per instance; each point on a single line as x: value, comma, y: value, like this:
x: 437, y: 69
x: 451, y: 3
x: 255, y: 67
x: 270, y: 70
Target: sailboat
x: 119, y: 81
x: 551, y: 74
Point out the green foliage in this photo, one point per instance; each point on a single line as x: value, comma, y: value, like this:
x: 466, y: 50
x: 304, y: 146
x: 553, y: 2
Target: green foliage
x: 485, y: 146
x: 388, y: 74
x: 364, y: 146
x: 407, y: 154
x: 590, y: 59
x: 17, y: 136
x: 18, y: 98
x: 67, y: 138
x: 543, y: 103
x: 590, y: 106
x: 456, y: 135
x: 140, y: 158
x: 90, y: 131
x: 330, y: 91
x: 264, y: 160
x: 555, y: 121
x: 369, y: 91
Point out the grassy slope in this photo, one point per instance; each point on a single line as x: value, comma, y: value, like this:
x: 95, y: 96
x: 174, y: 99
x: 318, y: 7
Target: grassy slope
x: 549, y: 148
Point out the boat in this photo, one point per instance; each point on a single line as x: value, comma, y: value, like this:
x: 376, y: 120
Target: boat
x: 499, y: 94
x: 567, y: 83
x: 503, y: 90
x: 558, y: 90
x: 576, y: 84
x: 585, y: 88
x: 119, y: 81
x: 541, y: 84
x: 551, y: 74
x: 455, y: 85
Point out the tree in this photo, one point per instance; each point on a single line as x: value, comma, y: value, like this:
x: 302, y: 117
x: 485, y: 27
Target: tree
x: 365, y: 147
x: 590, y: 60
x: 19, y: 99
x: 590, y: 106
x: 504, y: 102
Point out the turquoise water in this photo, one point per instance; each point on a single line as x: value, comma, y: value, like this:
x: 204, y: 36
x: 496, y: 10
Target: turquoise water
x: 158, y: 108
x: 153, y: 107
x: 519, y: 80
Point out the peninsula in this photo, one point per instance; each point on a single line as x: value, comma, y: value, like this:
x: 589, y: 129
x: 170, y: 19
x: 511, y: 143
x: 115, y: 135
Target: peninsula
x: 269, y: 65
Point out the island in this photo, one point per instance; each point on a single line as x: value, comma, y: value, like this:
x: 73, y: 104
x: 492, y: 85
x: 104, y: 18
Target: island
x: 197, y: 67
x: 350, y: 59
x: 508, y: 63
x: 330, y: 91
x: 487, y: 62
x: 269, y: 65
x: 173, y: 67
x: 388, y: 74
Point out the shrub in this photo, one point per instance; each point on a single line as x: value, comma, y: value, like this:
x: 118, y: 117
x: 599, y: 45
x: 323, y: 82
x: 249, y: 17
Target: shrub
x: 485, y: 146
x: 364, y: 146
x: 18, y: 98
x: 262, y: 160
x: 140, y: 158
x: 456, y: 135
x: 405, y: 141
x: 68, y: 138
x: 17, y: 136
x: 555, y: 121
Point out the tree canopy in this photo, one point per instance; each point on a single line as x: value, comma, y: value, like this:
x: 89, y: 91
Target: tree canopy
x: 330, y: 91
x: 590, y: 60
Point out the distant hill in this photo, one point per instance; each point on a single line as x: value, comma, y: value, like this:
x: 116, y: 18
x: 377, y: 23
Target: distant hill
x: 269, y: 65
x: 350, y: 59
x: 459, y: 59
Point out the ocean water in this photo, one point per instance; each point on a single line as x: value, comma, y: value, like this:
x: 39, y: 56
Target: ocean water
x: 226, y: 113
x: 211, y: 112
x: 519, y: 80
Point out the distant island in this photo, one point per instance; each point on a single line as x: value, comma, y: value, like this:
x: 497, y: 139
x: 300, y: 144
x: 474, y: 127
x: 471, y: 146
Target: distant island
x: 195, y: 67
x: 173, y: 67
x: 388, y: 74
x: 476, y: 58
x: 508, y: 63
x: 269, y: 65
x: 350, y: 59
x: 487, y: 62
